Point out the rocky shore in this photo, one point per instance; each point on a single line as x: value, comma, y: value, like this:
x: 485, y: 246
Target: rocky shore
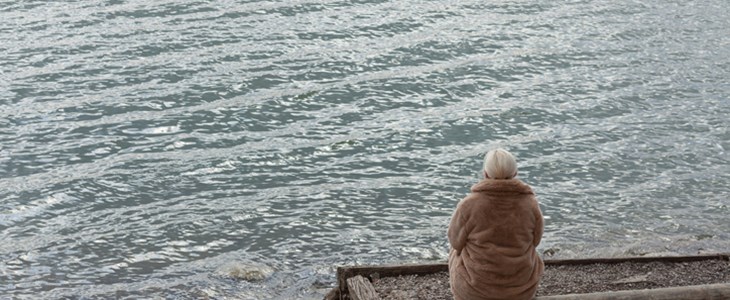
x: 575, y: 279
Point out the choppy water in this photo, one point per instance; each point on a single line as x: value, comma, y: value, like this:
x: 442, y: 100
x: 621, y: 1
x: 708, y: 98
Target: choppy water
x: 243, y: 149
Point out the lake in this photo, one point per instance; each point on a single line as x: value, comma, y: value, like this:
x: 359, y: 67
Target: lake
x: 243, y: 149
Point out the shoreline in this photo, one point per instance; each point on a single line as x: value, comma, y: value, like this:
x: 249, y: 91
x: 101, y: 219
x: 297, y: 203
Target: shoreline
x: 561, y: 277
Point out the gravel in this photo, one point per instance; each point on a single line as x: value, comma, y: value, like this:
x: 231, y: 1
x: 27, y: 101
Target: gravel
x: 575, y: 279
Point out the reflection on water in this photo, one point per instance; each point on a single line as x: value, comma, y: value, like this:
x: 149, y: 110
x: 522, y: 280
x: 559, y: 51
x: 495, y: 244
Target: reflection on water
x: 232, y: 149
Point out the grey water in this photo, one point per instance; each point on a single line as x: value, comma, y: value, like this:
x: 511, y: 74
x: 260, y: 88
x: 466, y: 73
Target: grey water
x: 234, y: 149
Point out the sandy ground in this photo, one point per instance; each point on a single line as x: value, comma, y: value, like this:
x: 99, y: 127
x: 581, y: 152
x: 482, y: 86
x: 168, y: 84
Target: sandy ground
x: 575, y: 279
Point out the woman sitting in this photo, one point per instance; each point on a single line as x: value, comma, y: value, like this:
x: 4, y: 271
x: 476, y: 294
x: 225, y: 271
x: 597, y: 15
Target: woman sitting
x: 493, y: 234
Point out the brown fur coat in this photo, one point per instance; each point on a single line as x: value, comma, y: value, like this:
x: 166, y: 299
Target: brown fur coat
x: 493, y: 234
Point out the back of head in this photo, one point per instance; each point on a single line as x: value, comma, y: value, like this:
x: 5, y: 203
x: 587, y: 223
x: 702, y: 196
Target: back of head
x: 500, y: 164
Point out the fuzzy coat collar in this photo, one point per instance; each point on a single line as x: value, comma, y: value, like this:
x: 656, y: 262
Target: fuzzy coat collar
x: 500, y: 186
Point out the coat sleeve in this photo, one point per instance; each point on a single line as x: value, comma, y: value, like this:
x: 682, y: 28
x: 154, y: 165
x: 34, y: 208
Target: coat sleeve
x: 457, y: 230
x: 539, y: 225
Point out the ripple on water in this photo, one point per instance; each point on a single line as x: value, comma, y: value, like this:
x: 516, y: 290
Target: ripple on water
x: 224, y: 149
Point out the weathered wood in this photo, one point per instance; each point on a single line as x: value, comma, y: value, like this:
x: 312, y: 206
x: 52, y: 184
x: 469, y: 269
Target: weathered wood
x: 343, y: 273
x: 397, y: 270
x: 639, y: 259
x: 361, y: 289
x: 390, y: 270
x: 695, y: 292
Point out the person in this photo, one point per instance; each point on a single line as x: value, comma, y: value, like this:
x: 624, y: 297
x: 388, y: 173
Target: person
x: 493, y: 234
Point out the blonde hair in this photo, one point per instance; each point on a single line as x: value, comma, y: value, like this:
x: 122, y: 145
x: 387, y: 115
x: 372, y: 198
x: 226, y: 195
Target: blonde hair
x: 500, y: 164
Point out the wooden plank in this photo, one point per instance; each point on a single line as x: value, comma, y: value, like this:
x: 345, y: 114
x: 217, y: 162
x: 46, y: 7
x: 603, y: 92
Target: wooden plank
x: 343, y: 273
x: 398, y: 270
x: 638, y: 259
x: 361, y: 289
x: 695, y: 292
x: 391, y: 270
x: 705, y: 292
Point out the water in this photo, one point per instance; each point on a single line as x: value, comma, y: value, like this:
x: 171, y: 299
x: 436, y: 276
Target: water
x: 243, y: 149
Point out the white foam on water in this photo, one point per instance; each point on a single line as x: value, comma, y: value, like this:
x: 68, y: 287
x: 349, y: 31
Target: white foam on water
x: 20, y: 212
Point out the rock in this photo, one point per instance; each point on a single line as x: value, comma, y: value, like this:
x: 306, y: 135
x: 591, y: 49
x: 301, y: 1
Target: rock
x: 245, y: 271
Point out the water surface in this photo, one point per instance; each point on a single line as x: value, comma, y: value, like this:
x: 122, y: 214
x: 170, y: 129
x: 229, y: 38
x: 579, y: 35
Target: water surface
x: 243, y: 149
